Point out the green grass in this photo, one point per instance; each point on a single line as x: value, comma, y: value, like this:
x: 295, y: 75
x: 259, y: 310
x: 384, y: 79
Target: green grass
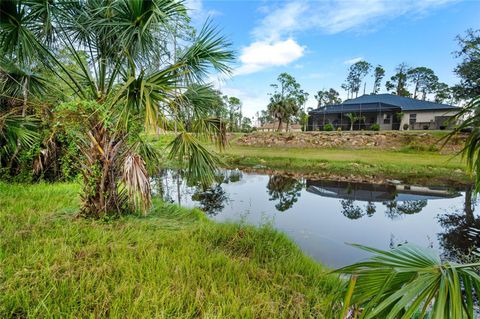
x: 411, y: 163
x: 173, y: 263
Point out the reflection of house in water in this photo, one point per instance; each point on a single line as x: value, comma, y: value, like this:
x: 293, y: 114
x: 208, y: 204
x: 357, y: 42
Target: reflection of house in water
x: 376, y: 192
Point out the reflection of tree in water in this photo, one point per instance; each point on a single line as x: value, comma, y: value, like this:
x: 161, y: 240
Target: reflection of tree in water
x: 396, y: 209
x: 212, y: 200
x: 284, y: 189
x: 354, y: 211
x: 460, y: 237
x: 393, y: 210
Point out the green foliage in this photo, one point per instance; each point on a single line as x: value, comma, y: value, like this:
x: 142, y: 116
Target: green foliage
x: 468, y: 70
x: 286, y: 100
x: 150, y: 78
x: 173, y: 263
x: 410, y: 280
x: 375, y: 127
x: 424, y: 81
x: 378, y: 75
x: 328, y: 127
x: 398, y: 82
x: 356, y: 73
x: 327, y: 97
x: 471, y: 150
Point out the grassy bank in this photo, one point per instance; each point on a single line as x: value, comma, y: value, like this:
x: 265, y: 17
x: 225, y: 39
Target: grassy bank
x: 410, y: 166
x: 407, y: 164
x: 172, y: 264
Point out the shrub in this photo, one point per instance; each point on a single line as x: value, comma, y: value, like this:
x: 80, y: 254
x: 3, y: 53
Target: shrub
x: 328, y: 127
x: 405, y: 126
x: 375, y: 127
x: 339, y: 129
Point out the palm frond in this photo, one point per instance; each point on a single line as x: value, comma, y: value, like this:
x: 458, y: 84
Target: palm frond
x: 137, y: 182
x: 201, y: 163
x: 469, y: 119
x: 209, y: 52
x: 410, y: 280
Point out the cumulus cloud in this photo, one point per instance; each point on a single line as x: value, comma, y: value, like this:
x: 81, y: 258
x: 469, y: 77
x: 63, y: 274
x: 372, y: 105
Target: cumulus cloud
x: 261, y: 55
x: 353, y: 60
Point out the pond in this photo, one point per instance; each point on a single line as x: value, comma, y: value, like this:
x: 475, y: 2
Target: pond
x: 323, y: 216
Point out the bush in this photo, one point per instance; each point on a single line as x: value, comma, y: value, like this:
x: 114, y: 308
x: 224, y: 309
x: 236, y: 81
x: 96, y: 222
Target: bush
x: 328, y: 127
x: 339, y: 129
x: 405, y: 126
x: 375, y: 127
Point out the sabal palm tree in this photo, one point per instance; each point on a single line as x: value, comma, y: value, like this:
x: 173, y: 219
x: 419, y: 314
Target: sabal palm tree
x: 123, y: 55
x: 279, y: 109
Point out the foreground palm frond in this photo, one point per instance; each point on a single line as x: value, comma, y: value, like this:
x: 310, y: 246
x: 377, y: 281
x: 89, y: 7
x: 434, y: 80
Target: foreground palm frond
x: 469, y: 119
x: 409, y: 280
x: 16, y: 131
x: 201, y: 163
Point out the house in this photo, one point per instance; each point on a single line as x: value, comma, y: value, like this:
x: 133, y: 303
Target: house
x: 390, y: 112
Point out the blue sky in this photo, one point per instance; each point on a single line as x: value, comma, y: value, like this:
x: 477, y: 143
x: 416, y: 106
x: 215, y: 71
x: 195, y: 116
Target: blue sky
x: 316, y: 41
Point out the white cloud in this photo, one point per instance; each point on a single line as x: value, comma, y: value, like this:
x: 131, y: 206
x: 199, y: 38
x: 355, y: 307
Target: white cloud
x: 262, y: 54
x: 197, y: 11
x: 282, y: 21
x: 337, y: 15
x: 353, y: 60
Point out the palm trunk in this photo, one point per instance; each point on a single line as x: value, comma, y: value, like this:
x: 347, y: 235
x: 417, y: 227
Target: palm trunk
x: 25, y: 96
x: 279, y: 126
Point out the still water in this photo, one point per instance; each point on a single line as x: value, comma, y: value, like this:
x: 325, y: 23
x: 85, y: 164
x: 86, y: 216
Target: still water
x: 322, y: 216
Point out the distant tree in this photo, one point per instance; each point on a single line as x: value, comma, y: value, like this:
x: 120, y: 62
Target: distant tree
x: 286, y: 100
x: 398, y: 82
x: 469, y: 68
x: 443, y: 93
x: 246, y: 126
x: 424, y: 81
x: 327, y: 97
x: 264, y: 117
x: 356, y: 73
x: 378, y: 75
x: 234, y: 106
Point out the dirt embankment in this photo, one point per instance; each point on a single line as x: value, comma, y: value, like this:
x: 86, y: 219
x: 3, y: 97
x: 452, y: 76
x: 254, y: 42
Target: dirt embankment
x: 419, y: 141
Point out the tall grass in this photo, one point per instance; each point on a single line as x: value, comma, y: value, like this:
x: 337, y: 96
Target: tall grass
x: 172, y: 264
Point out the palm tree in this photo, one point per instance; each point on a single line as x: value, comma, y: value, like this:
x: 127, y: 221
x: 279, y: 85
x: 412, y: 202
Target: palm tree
x: 278, y: 110
x: 16, y: 131
x: 125, y: 66
x: 409, y: 281
x: 353, y: 118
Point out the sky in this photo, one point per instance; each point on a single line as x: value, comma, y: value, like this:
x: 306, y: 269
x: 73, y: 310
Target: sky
x: 317, y: 41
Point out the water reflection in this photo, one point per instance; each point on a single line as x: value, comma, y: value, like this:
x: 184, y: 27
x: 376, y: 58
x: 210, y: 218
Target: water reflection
x: 322, y: 215
x: 284, y: 190
x: 461, y: 236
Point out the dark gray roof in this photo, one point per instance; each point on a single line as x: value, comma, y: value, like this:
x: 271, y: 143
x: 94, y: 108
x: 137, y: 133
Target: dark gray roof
x: 405, y: 103
x: 383, y: 102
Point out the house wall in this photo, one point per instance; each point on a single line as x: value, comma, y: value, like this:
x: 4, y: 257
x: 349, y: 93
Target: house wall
x: 425, y: 118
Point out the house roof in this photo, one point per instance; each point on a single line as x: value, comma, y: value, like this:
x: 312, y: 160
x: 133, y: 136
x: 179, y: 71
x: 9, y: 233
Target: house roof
x: 373, y: 102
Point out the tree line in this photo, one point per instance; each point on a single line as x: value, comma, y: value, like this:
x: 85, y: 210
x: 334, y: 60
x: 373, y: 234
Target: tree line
x: 288, y: 99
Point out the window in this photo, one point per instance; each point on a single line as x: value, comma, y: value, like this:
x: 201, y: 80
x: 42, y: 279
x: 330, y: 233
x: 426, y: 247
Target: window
x: 413, y: 119
x: 387, y: 118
